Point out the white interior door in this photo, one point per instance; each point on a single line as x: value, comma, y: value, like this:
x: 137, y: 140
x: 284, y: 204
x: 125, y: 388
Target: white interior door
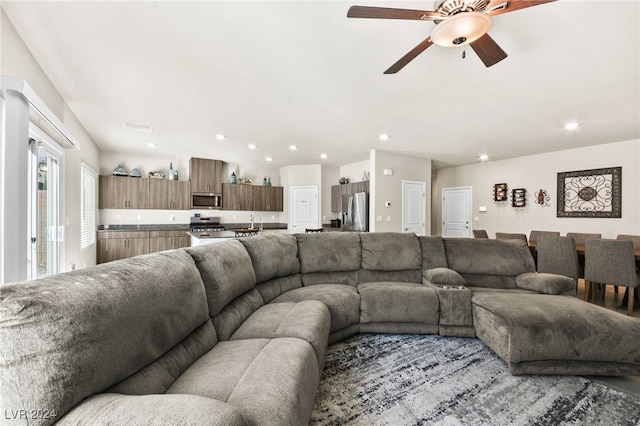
x: 456, y: 212
x: 304, y: 208
x: 413, y: 210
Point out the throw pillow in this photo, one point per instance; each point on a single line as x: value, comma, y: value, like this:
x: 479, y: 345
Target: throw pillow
x: 444, y: 276
x: 545, y: 283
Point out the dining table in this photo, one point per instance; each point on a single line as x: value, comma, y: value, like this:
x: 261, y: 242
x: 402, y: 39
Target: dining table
x: 581, y: 249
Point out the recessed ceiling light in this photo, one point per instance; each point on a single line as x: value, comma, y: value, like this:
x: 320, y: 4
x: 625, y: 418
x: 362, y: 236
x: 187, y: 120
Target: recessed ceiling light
x: 268, y: 158
x: 323, y: 156
x: 151, y: 145
x: 383, y: 137
x: 252, y: 146
x: 293, y: 147
x: 484, y: 157
x: 572, y: 125
x: 220, y: 137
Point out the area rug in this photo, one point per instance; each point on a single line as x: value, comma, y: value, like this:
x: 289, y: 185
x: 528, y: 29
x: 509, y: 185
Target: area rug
x: 378, y: 379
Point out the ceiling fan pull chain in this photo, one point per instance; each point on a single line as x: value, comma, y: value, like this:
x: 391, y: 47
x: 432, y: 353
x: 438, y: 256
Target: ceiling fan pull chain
x: 464, y: 55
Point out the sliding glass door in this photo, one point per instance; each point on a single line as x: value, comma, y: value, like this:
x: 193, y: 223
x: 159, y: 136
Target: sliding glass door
x: 45, y: 214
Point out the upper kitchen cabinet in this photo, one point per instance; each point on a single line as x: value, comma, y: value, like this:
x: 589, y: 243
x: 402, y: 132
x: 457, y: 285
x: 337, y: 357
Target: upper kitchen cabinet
x: 268, y: 198
x: 169, y: 194
x: 120, y: 192
x: 337, y: 191
x: 205, y: 175
x: 237, y: 197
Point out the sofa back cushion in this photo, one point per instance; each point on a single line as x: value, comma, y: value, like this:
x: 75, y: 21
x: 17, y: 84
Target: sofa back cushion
x: 329, y: 258
x: 275, y: 263
x: 390, y: 256
x: 433, y: 252
x: 489, y: 263
x: 226, y: 270
x: 273, y: 256
x: 69, y: 336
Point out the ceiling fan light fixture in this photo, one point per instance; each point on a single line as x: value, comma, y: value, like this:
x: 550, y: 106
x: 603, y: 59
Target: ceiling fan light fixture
x: 461, y: 29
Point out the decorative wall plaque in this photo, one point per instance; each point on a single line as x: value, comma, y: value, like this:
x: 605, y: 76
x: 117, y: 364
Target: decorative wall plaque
x: 590, y: 193
x: 518, y: 197
x: 500, y: 192
x: 542, y: 198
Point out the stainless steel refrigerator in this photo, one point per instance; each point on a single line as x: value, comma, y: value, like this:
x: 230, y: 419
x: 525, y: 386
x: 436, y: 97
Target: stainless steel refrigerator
x: 355, y: 212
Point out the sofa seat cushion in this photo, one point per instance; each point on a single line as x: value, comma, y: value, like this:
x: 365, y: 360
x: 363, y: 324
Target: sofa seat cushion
x: 398, y: 302
x: 159, y: 409
x: 308, y: 320
x: 548, y: 334
x: 343, y: 302
x: 269, y: 381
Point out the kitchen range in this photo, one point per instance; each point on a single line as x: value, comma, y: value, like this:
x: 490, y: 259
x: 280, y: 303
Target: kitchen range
x: 205, y: 230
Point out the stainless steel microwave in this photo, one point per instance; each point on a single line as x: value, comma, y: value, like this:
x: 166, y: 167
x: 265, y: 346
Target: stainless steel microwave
x: 203, y: 200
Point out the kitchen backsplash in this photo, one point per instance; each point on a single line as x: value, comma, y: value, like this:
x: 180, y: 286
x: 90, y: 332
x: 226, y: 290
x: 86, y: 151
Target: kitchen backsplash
x: 139, y: 217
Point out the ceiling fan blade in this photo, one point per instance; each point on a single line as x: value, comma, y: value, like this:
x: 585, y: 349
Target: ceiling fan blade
x: 498, y: 7
x: 402, y: 62
x: 488, y: 50
x: 390, y: 13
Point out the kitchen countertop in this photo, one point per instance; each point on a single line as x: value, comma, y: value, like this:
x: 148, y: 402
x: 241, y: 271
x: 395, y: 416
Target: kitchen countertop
x: 184, y: 227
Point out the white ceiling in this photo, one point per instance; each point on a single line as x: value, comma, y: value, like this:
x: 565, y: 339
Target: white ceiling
x: 301, y: 72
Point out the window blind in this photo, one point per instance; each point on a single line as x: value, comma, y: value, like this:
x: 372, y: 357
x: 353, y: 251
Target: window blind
x: 88, y: 208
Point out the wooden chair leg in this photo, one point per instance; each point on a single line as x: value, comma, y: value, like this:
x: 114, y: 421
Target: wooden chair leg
x: 630, y: 302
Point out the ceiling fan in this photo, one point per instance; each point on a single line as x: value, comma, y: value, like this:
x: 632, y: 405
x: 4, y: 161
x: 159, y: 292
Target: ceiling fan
x: 458, y: 23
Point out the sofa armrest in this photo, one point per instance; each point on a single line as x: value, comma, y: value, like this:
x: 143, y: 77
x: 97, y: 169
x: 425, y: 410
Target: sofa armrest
x: 156, y: 409
x: 444, y: 276
x: 546, y: 283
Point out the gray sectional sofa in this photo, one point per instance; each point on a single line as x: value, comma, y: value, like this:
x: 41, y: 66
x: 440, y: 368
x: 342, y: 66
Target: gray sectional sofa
x: 236, y: 332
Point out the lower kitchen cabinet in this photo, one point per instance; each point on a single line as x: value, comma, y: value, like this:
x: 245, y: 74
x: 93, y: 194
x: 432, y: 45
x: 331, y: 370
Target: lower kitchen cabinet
x: 167, y: 240
x: 115, y: 245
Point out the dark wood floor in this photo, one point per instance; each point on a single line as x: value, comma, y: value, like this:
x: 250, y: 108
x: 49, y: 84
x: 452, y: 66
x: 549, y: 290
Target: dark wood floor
x: 611, y: 300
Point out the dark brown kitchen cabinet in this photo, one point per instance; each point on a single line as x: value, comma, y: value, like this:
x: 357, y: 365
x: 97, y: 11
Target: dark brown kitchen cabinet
x: 268, y: 198
x: 168, y: 240
x: 336, y: 198
x: 121, y: 192
x: 337, y: 191
x: 205, y: 175
x: 115, y: 245
x: 169, y: 194
x: 237, y: 197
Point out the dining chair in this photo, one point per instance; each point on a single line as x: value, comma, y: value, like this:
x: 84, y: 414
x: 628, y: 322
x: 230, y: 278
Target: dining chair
x: 510, y: 236
x: 558, y: 255
x: 480, y: 233
x: 612, y: 262
x: 635, y: 239
x: 533, y: 239
x: 580, y: 238
x: 533, y: 235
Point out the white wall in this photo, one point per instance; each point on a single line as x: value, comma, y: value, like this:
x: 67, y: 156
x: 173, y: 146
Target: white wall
x: 355, y: 171
x: 18, y: 62
x: 540, y: 171
x: 389, y: 188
